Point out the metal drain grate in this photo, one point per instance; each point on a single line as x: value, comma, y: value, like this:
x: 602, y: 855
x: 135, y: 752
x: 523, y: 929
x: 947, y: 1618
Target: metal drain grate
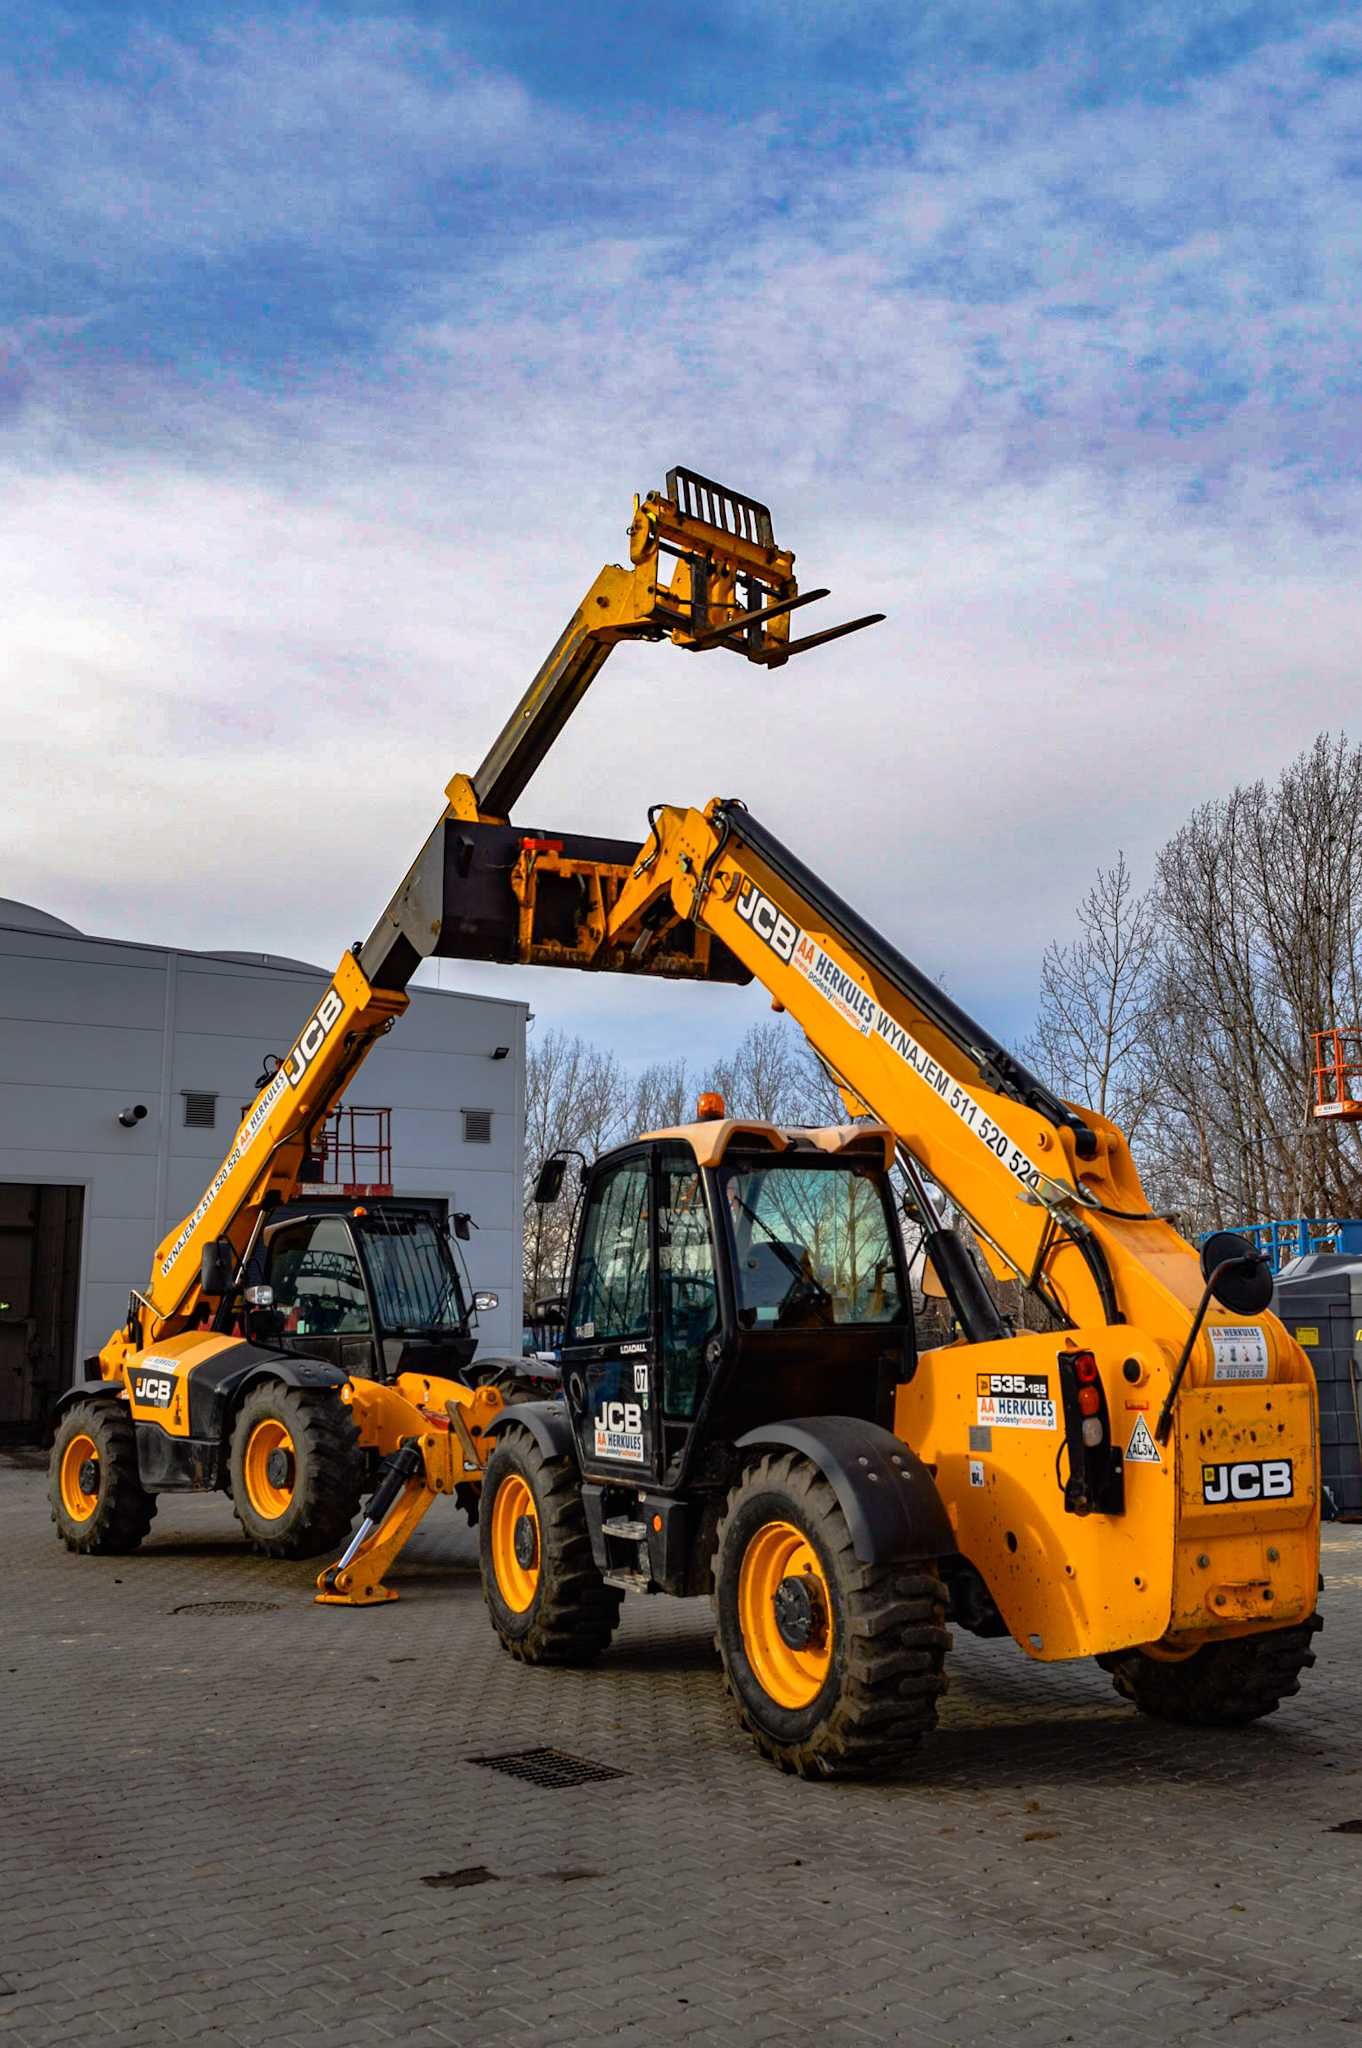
x: 228, y: 1607
x: 552, y: 1768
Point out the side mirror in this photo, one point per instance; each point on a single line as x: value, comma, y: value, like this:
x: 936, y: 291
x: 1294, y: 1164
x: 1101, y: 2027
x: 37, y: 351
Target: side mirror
x: 486, y: 1301
x: 549, y: 1185
x: 462, y: 1224
x: 1246, y: 1289
x: 217, y: 1267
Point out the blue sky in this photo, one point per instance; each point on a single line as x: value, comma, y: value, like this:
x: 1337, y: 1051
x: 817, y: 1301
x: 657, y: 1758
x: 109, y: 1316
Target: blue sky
x: 334, y: 341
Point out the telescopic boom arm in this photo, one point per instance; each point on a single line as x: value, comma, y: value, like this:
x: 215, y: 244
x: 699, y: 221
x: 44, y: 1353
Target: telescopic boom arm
x: 728, y: 586
x: 1051, y: 1191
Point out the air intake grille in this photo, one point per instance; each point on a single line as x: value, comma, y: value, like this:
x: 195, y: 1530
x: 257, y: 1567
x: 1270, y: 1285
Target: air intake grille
x: 200, y: 1110
x: 477, y: 1127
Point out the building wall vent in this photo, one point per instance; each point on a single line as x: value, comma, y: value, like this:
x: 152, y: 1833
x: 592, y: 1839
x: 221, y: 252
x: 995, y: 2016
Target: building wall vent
x: 200, y: 1110
x: 477, y: 1127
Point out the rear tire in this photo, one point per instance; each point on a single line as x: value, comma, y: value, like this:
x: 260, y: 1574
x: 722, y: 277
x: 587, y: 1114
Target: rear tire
x: 548, y: 1602
x: 835, y: 1667
x: 297, y: 1471
x: 99, y: 1504
x: 1221, y: 1685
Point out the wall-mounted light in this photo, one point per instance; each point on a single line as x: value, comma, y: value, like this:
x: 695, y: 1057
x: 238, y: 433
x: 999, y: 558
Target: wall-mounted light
x: 132, y: 1115
x: 501, y: 1052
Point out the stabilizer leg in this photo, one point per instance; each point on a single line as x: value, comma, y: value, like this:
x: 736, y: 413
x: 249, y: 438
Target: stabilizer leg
x: 399, y: 1501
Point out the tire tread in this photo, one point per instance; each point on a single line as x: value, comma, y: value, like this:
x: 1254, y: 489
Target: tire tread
x: 127, y: 1511
x: 1221, y: 1685
x: 895, y: 1636
x: 575, y: 1620
x: 334, y: 1472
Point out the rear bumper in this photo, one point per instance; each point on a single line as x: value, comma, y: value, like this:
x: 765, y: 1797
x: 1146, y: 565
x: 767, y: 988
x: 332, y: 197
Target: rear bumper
x: 1247, y: 1551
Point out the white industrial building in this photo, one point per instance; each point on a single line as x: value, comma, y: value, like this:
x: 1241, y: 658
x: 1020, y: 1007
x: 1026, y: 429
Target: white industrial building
x: 90, y: 1027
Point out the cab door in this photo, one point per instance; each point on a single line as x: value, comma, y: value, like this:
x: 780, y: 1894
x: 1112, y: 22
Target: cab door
x: 319, y: 1293
x: 610, y: 1340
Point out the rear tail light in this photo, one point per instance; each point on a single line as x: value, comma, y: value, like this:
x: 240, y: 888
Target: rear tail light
x: 1095, y: 1481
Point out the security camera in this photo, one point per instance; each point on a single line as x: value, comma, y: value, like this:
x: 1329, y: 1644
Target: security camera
x: 133, y: 1114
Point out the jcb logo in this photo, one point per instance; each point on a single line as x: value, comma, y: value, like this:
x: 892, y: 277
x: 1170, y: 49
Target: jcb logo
x: 313, y: 1038
x: 151, y: 1390
x: 1265, y: 1479
x: 622, y: 1415
x: 767, y: 922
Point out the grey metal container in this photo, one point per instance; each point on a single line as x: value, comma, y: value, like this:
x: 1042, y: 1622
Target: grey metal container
x: 1319, y: 1298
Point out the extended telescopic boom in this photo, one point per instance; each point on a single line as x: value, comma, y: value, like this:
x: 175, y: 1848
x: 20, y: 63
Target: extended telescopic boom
x: 729, y: 586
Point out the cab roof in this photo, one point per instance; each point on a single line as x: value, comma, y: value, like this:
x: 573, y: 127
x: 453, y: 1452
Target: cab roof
x: 710, y: 1141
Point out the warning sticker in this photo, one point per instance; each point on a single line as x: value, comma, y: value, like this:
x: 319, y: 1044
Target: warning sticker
x: 1240, y: 1351
x: 1015, y: 1400
x: 1142, y: 1449
x: 976, y: 1471
x: 1306, y: 1333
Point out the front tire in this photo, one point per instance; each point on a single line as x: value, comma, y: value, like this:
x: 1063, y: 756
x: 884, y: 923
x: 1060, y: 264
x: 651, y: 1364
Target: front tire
x: 99, y: 1504
x: 548, y: 1602
x: 835, y: 1667
x: 297, y: 1471
x: 1221, y: 1685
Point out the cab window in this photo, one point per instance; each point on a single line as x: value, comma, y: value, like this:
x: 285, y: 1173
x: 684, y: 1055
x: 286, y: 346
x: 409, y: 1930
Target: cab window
x: 317, y: 1282
x: 611, y: 1295
x: 687, y: 1284
x: 813, y: 1243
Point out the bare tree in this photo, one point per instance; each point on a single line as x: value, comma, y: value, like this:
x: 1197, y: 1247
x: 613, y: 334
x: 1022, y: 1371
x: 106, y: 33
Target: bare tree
x: 1092, y: 1025
x: 576, y: 1098
x: 1189, y: 1014
x: 662, y: 1096
x: 765, y: 1076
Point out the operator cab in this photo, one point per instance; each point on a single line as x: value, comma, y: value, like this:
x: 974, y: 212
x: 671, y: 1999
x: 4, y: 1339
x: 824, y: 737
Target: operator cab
x: 372, y: 1287
x: 730, y: 1274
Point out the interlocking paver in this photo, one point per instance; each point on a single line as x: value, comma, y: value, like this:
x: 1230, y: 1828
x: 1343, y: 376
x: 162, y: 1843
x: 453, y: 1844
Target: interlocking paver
x: 215, y: 1830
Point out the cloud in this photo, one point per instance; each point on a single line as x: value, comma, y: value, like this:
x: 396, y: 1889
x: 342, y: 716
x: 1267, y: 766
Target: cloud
x: 1068, y: 391
x: 270, y: 134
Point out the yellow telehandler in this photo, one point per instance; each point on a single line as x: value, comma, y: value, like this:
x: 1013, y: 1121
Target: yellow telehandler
x: 743, y: 1410
x: 287, y: 1345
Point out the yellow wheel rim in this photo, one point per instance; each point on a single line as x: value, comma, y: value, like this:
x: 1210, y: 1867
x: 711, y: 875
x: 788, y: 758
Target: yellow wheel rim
x: 80, y: 1451
x: 515, y: 1549
x: 270, y: 1497
x: 792, y: 1676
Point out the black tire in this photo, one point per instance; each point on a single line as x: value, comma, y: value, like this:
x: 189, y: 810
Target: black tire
x: 883, y: 1634
x: 1221, y: 1685
x: 322, y: 1482
x: 122, y: 1509
x: 570, y: 1613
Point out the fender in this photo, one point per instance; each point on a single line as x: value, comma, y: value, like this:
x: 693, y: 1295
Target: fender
x: 88, y: 1390
x: 547, y: 1422
x: 888, y: 1496
x: 217, y: 1387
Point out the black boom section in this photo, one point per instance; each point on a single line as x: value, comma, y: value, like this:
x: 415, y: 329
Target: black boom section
x: 999, y: 1068
x: 458, y: 903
